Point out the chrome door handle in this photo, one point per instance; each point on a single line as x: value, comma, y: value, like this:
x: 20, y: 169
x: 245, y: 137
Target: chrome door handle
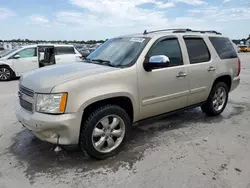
x: 181, y: 74
x: 211, y: 69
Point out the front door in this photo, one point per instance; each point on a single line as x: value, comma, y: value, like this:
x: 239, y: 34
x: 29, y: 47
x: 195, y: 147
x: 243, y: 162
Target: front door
x: 27, y: 61
x: 165, y: 89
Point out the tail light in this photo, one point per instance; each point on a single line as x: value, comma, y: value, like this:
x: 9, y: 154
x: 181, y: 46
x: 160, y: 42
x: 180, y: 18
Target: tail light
x: 239, y: 66
x: 81, y: 57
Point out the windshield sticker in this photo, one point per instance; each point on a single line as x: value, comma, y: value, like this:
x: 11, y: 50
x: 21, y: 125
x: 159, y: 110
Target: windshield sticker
x: 137, y: 39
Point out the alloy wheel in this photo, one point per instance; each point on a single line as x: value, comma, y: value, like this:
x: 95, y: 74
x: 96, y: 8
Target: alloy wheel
x: 4, y: 73
x: 219, y: 98
x: 108, y: 133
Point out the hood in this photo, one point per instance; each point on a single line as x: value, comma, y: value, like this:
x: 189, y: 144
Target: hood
x: 44, y: 79
x: 4, y: 62
x: 2, y: 59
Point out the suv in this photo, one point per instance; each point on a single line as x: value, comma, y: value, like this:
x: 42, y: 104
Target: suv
x: 17, y: 61
x: 126, y: 80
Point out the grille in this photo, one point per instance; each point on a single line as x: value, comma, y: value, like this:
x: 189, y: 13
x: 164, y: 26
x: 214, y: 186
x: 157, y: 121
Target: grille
x: 26, y: 91
x: 26, y: 105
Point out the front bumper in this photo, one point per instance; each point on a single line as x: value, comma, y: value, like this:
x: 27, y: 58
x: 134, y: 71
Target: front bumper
x: 235, y: 83
x: 57, y: 129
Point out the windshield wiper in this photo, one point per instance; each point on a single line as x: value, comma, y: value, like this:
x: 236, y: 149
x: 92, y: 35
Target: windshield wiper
x: 103, y: 62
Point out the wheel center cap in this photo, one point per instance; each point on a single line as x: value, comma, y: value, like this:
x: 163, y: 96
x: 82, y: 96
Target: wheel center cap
x: 107, y: 133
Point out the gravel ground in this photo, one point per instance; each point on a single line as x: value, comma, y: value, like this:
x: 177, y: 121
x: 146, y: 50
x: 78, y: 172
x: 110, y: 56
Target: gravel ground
x: 187, y: 149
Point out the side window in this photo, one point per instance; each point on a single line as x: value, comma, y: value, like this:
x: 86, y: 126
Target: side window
x: 30, y: 52
x: 197, y: 50
x: 223, y: 47
x: 170, y: 48
x: 64, y: 50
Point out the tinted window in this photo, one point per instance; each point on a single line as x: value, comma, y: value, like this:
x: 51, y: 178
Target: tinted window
x: 197, y: 50
x: 170, y: 48
x: 64, y: 50
x: 223, y: 47
x: 30, y: 52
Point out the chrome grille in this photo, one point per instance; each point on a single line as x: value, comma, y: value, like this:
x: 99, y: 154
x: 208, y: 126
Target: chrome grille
x: 26, y: 105
x: 26, y: 98
x: 26, y: 91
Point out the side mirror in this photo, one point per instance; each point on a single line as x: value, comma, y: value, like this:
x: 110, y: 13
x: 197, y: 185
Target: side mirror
x: 17, y: 56
x: 155, y: 62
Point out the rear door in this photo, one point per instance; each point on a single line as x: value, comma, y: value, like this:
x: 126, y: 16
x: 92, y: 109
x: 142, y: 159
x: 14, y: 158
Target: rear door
x: 28, y: 60
x: 65, y: 54
x: 201, y: 68
x: 228, y: 56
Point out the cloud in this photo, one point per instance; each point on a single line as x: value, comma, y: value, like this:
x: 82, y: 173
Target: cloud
x: 222, y: 14
x: 38, y: 19
x: 124, y: 16
x: 112, y: 14
x: 226, y: 1
x: 192, y: 2
x: 117, y: 13
x: 105, y: 21
x: 162, y: 5
x: 5, y: 13
x: 112, y: 17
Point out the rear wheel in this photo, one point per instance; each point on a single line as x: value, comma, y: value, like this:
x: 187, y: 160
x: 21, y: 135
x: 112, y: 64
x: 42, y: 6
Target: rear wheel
x: 217, y: 100
x: 5, y: 73
x: 104, y: 132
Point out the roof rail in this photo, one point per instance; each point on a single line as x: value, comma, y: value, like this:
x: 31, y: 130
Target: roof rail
x: 182, y: 30
x: 207, y: 31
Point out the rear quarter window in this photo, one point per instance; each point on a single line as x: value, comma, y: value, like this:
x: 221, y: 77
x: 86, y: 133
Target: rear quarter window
x: 223, y: 47
x: 65, y: 50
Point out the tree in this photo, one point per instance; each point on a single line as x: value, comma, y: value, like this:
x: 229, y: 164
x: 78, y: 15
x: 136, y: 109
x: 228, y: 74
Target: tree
x: 55, y: 41
x: 248, y: 37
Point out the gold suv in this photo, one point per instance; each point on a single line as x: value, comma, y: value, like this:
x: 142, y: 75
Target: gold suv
x: 126, y: 80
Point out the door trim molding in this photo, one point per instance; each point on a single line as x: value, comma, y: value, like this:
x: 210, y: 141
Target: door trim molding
x: 164, y: 98
x: 198, y: 89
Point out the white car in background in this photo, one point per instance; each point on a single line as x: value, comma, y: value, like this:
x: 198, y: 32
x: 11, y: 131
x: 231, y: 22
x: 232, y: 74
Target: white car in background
x: 15, y: 62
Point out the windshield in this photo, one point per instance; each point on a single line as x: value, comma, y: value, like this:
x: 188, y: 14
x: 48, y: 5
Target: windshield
x: 118, y: 52
x: 9, y: 52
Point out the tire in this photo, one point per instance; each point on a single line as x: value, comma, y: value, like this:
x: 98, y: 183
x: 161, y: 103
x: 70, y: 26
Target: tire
x: 101, y: 120
x: 216, y: 104
x: 70, y: 148
x: 6, y: 74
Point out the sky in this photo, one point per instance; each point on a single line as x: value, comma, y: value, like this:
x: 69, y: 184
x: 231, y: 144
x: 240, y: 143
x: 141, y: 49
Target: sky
x: 102, y: 19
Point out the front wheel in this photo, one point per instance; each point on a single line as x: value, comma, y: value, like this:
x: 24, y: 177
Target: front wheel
x: 217, y: 100
x: 5, y: 73
x: 104, y: 132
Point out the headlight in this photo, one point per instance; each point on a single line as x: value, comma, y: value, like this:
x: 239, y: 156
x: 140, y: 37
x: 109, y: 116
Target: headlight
x: 51, y: 103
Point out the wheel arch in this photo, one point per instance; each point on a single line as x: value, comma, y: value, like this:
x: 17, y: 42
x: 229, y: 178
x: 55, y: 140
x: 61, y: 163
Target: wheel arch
x: 227, y: 79
x: 8, y: 66
x: 123, y: 101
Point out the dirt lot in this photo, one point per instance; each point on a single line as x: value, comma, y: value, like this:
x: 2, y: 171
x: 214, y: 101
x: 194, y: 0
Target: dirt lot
x: 184, y: 150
